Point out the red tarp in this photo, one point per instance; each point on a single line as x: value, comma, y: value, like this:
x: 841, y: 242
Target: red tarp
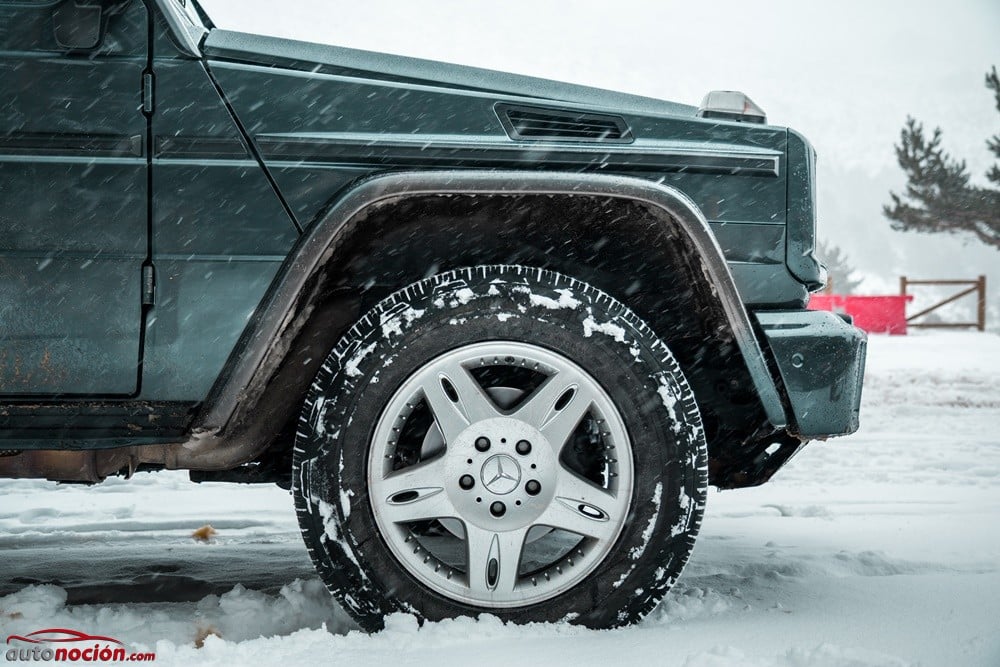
x: 874, y: 314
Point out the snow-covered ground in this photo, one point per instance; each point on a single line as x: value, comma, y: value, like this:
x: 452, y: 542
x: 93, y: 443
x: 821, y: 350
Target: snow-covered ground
x: 878, y: 549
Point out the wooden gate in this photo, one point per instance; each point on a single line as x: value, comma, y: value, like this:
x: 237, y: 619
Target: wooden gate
x: 977, y: 287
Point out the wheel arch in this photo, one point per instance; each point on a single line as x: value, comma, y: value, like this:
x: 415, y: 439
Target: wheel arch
x: 317, y: 294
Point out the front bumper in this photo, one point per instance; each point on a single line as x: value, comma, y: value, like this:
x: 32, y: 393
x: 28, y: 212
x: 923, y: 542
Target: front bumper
x: 821, y: 360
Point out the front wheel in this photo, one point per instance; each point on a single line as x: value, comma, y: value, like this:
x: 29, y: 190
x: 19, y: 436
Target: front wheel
x: 500, y: 439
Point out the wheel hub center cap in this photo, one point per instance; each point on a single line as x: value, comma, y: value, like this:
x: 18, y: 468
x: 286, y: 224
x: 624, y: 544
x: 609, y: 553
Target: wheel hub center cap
x: 501, y: 474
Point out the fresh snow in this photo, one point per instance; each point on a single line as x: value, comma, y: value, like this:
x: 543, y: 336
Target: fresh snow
x: 463, y: 296
x: 592, y: 326
x: 878, y: 549
x: 648, y: 532
x: 565, y: 300
x: 351, y: 365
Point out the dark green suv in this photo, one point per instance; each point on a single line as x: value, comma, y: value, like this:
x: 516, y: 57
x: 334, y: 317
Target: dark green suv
x: 496, y: 334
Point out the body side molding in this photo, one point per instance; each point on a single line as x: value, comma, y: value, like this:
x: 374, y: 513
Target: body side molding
x: 501, y: 153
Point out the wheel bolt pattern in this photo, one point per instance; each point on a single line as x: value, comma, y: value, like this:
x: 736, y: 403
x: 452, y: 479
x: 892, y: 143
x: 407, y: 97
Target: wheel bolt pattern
x: 498, y: 509
x: 467, y: 482
x: 523, y: 447
x: 482, y: 444
x: 533, y: 487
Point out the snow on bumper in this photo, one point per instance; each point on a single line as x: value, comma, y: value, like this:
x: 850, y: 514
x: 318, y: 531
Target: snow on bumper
x: 821, y: 360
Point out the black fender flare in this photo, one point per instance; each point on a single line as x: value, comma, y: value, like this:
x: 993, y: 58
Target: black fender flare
x: 259, y: 351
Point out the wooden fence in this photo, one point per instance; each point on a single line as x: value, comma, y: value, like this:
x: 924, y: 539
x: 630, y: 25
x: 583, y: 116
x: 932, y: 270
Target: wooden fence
x: 977, y: 287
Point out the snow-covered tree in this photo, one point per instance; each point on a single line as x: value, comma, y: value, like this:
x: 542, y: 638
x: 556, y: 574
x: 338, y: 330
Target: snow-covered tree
x: 939, y: 197
x: 842, y: 279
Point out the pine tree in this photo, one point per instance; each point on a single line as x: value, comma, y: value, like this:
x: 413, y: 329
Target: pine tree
x: 938, y: 195
x: 841, y: 280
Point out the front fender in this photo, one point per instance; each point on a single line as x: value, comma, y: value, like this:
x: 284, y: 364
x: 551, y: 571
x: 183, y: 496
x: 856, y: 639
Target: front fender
x: 260, y: 351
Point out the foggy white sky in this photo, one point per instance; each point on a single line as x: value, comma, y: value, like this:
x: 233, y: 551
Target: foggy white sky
x: 845, y: 73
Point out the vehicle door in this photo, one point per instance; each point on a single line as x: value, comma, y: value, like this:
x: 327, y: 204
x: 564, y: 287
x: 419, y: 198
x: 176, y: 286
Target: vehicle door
x: 74, y: 210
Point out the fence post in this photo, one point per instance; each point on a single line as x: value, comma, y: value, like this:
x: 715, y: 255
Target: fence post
x: 981, y: 305
x: 902, y: 286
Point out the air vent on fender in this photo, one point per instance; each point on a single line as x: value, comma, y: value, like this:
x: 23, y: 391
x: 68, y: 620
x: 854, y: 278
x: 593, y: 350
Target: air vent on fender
x: 523, y: 123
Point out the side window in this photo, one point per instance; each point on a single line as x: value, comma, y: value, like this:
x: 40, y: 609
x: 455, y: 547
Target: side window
x: 94, y: 28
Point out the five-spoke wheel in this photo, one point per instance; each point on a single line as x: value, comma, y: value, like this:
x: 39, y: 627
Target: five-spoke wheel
x: 488, y: 501
x: 500, y: 439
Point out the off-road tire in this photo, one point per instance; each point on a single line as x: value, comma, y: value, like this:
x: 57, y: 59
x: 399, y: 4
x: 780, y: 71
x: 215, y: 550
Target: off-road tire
x: 500, y: 303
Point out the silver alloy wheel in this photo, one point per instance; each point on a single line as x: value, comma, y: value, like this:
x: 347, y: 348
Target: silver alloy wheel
x: 501, y: 478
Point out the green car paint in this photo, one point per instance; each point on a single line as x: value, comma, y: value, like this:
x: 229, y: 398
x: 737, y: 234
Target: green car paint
x: 155, y: 184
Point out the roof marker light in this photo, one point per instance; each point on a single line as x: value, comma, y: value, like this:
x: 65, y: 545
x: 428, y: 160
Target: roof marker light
x: 731, y: 105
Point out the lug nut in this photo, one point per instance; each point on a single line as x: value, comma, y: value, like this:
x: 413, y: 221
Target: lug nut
x: 498, y: 509
x: 467, y: 482
x: 482, y: 443
x: 533, y: 487
x: 523, y: 447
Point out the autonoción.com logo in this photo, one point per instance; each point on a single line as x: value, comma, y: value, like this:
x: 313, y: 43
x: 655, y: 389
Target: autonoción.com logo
x: 62, y: 645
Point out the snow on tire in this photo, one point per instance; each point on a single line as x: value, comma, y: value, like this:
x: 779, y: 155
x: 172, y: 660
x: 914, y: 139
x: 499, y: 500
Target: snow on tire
x: 500, y: 439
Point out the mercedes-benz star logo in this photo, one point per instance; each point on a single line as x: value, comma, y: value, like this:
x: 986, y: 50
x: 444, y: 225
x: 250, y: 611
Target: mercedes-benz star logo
x: 501, y: 474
